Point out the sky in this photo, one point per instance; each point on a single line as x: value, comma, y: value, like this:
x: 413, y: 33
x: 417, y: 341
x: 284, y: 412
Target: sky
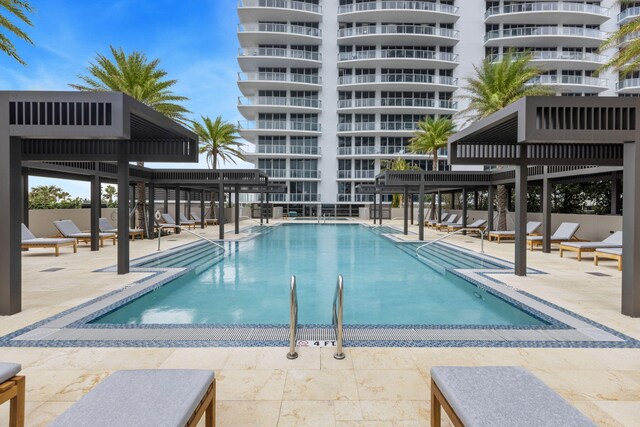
x: 195, y: 41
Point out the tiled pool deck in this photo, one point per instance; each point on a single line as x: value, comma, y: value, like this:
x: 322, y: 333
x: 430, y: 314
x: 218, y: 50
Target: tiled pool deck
x: 372, y: 386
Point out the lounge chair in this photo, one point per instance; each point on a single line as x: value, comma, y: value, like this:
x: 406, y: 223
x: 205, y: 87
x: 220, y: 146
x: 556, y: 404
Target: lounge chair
x: 12, y: 388
x: 433, y: 222
x: 170, y: 222
x: 475, y: 226
x: 498, y: 396
x: 451, y: 219
x: 29, y: 241
x: 613, y: 241
x: 532, y: 228
x: 445, y: 225
x: 565, y: 232
x: 189, y: 223
x: 68, y: 229
x: 196, y: 218
x: 162, y: 397
x: 608, y: 253
x: 105, y: 226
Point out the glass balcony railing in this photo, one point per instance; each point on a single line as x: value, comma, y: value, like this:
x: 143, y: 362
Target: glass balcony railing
x: 280, y: 77
x: 343, y: 197
x: 279, y: 53
x: 557, y: 56
x: 398, y: 78
x: 363, y: 197
x: 280, y: 28
x: 345, y: 174
x: 398, y: 5
x: 559, y: 6
x: 278, y: 125
x: 304, y: 173
x: 569, y: 80
x: 629, y: 13
x: 307, y: 197
x: 281, y: 4
x: 628, y: 83
x: 279, y: 101
x: 398, y: 54
x: 275, y: 173
x: 373, y: 126
x: 364, y: 174
x: 285, y: 149
x: 545, y: 31
x: 397, y: 102
x: 408, y: 29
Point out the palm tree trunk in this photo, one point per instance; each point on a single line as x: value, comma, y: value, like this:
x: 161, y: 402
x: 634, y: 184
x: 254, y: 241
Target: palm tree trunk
x: 140, y: 201
x: 436, y: 167
x: 501, y: 196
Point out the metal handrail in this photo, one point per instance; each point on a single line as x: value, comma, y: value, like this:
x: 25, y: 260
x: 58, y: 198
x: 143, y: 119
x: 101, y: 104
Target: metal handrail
x: 293, y: 319
x: 481, y: 230
x: 392, y: 219
x: 161, y: 226
x: 251, y: 219
x: 337, y: 316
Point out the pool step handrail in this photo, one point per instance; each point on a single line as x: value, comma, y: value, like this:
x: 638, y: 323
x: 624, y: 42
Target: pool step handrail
x: 338, y: 304
x: 161, y: 226
x: 462, y: 230
x: 293, y: 319
x: 381, y: 224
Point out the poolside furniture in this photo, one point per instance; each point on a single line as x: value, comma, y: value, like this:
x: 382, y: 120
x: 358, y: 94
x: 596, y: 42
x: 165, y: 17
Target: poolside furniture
x: 162, y: 397
x: 608, y: 253
x: 475, y: 226
x: 105, y: 226
x: 498, y: 396
x: 613, y: 241
x: 565, y: 232
x: 189, y: 223
x: 29, y: 241
x: 292, y: 214
x: 532, y: 228
x: 68, y: 229
x: 12, y: 388
x: 171, y: 223
x: 445, y: 225
x: 434, y: 222
x: 196, y: 218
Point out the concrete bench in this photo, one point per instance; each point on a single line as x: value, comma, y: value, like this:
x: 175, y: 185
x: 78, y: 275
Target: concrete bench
x: 163, y: 397
x: 498, y: 396
x: 12, y: 389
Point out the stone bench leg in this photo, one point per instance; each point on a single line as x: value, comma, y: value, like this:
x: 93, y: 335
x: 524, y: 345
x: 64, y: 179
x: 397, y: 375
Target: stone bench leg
x: 437, y: 402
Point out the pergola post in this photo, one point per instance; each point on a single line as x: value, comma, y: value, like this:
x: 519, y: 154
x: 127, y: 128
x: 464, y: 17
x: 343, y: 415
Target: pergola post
x: 132, y: 205
x: 380, y: 210
x: 221, y: 208
x: 203, y: 222
x: 521, y: 221
x: 123, y: 207
x: 261, y: 207
x: 453, y: 200
x: 412, y: 209
x: 11, y: 213
x: 547, y: 189
x: 615, y: 196
x: 176, y: 208
x: 490, y: 211
x: 95, y: 210
x: 188, y: 214
x: 631, y: 227
x: 166, y: 200
x: 375, y: 207
x: 151, y: 211
x: 405, y: 214
x: 25, y: 198
x: 475, y: 200
x: 266, y: 194
x: 237, y: 209
x: 421, y: 213
x: 432, y: 212
x: 464, y: 209
x: 439, y: 218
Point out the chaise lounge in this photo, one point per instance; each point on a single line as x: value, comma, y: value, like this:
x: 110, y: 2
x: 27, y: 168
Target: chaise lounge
x: 433, y: 222
x: 565, y: 232
x: 608, y: 253
x: 146, y: 398
x: 189, y: 223
x: 68, y: 229
x: 196, y: 218
x: 498, y: 396
x: 12, y: 388
x: 475, y: 226
x: 532, y: 228
x: 169, y: 222
x: 29, y: 241
x: 105, y: 226
x: 450, y: 220
x: 611, y: 242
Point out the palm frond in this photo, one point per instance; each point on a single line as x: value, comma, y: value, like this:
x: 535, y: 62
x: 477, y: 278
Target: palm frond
x: 20, y: 10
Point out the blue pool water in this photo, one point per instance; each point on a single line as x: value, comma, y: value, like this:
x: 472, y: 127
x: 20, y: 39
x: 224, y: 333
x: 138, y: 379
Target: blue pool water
x: 384, y: 285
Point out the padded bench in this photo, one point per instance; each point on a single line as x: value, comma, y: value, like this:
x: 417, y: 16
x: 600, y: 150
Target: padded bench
x: 162, y: 397
x: 12, y: 389
x: 498, y: 396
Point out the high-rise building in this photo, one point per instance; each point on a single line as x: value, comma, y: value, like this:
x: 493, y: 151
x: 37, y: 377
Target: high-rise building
x: 332, y: 89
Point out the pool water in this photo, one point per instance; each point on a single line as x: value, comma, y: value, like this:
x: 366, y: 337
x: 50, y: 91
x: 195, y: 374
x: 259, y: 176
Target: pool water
x: 384, y: 285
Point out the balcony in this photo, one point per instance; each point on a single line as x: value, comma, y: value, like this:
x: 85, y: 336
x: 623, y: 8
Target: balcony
x: 250, y: 128
x: 263, y: 151
x: 403, y: 11
x: 416, y: 105
x: 545, y: 37
x: 290, y: 10
x: 249, y: 83
x: 363, y: 198
x: 561, y: 60
x: 399, y: 82
x: 547, y: 12
x: 340, y: 197
x: 405, y: 58
x: 377, y: 128
x: 573, y: 83
x: 254, y: 57
x: 391, y: 33
x: 249, y: 107
x: 253, y: 33
x: 628, y: 86
x: 307, y: 197
x: 628, y: 15
x: 292, y: 173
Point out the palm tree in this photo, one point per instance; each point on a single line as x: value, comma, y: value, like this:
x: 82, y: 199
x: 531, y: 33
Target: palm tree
x: 19, y: 9
x: 218, y: 140
x: 110, y: 192
x: 398, y: 165
x: 142, y: 80
x: 494, y: 86
x: 432, y: 134
x: 626, y: 58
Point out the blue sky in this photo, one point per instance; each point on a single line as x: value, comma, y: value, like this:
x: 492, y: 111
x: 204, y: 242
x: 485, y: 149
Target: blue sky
x: 195, y: 41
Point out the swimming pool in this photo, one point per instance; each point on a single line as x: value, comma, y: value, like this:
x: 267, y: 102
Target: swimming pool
x: 384, y: 285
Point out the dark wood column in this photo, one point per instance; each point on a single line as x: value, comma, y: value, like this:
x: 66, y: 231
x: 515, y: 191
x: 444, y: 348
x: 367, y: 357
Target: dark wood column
x: 237, y: 209
x: 95, y: 209
x: 490, y: 210
x: 203, y: 221
x: 151, y: 211
x: 521, y: 221
x: 176, y: 208
x: 221, y: 208
x: 631, y: 227
x: 421, y: 213
x: 547, y: 189
x: 123, y: 207
x: 405, y: 215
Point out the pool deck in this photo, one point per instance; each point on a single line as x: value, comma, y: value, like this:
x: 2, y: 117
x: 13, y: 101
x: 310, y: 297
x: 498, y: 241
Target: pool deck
x: 372, y: 386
